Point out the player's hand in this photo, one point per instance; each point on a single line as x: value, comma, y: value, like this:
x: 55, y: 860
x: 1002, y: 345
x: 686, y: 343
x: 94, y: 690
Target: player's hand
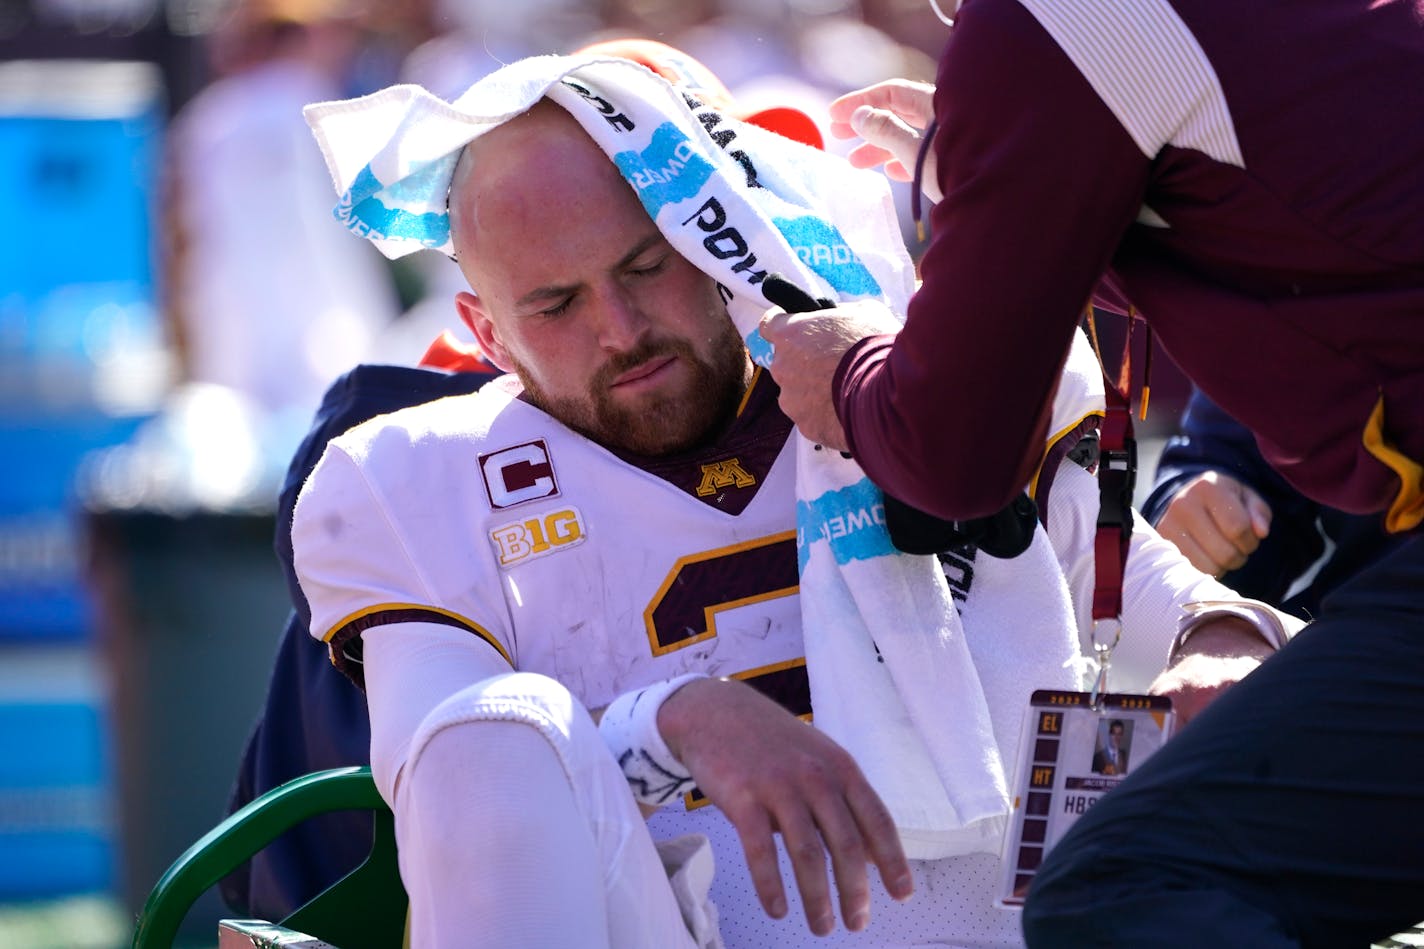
x: 809, y: 347
x: 771, y: 773
x: 891, y: 118
x: 1216, y: 522
x: 1215, y: 657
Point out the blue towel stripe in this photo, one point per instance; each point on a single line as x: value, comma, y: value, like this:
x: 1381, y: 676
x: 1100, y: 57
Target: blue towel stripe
x: 822, y: 248
x: 669, y: 170
x: 363, y: 211
x: 850, y: 519
x: 760, y: 350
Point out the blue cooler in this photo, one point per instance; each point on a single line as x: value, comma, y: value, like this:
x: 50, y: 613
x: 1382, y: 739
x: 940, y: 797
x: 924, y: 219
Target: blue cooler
x: 82, y: 363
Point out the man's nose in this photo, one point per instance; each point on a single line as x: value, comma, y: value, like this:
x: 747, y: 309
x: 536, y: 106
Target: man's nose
x: 621, y: 322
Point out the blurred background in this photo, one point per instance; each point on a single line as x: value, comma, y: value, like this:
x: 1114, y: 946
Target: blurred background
x: 174, y: 298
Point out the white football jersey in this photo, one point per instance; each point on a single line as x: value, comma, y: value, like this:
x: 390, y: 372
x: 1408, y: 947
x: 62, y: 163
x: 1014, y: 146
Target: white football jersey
x: 609, y: 573
x: 482, y: 512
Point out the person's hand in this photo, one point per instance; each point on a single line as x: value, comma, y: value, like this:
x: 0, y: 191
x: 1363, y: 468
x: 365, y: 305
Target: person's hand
x: 1215, y: 657
x: 809, y: 347
x: 771, y: 773
x: 891, y: 117
x: 1216, y: 522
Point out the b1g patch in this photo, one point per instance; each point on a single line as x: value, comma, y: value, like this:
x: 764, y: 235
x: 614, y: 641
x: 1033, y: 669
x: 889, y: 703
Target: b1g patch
x: 538, y: 536
x: 519, y: 474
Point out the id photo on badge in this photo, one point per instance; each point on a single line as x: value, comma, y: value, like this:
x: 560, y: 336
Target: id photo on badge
x: 1075, y: 748
x: 1113, y: 748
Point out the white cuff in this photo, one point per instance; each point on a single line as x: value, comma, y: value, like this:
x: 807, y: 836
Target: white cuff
x: 630, y: 730
x: 1273, y: 626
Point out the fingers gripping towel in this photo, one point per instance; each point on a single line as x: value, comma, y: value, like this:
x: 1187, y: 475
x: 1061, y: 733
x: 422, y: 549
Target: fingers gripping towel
x: 892, y: 679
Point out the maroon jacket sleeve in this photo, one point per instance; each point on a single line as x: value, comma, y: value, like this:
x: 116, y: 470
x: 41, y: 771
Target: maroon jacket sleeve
x: 1040, y: 183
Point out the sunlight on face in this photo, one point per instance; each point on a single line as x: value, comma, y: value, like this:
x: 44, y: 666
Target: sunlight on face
x: 663, y: 423
x: 611, y: 330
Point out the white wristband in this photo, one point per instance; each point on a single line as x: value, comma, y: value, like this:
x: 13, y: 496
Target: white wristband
x: 630, y: 730
x: 1274, y: 627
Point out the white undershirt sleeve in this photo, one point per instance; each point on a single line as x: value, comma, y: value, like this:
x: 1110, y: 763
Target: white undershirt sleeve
x: 410, y: 669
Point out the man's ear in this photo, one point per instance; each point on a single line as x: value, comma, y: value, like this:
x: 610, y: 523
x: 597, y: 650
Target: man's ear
x: 472, y: 312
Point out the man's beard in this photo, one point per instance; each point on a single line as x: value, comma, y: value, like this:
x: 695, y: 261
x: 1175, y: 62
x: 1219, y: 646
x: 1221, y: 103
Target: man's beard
x: 666, y: 424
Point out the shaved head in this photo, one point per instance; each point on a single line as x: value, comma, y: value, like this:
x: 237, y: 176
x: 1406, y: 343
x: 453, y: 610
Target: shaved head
x: 576, y: 290
x: 496, y: 169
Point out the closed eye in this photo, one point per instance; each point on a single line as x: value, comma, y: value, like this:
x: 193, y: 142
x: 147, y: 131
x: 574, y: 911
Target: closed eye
x: 648, y: 270
x: 559, y: 309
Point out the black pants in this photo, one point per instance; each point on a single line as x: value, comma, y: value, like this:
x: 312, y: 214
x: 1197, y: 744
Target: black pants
x: 1290, y: 813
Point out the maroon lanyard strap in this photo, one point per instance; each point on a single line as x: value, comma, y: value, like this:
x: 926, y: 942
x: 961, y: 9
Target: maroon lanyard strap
x: 1117, y: 479
x: 1117, y: 475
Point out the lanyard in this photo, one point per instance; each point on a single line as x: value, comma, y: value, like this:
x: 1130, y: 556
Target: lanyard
x: 1117, y: 478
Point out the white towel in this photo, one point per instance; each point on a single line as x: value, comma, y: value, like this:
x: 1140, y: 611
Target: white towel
x: 892, y: 679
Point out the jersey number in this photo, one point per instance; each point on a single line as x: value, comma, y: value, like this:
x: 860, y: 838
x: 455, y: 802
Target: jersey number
x: 699, y: 586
